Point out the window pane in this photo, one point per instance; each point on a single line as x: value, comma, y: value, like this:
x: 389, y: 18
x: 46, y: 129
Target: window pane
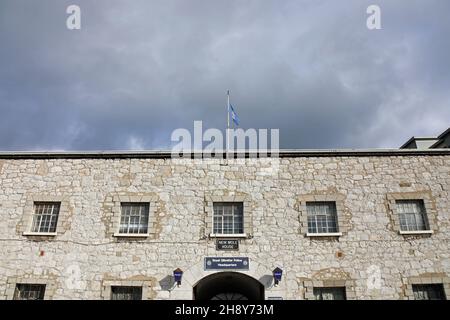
x: 29, y: 291
x: 134, y: 218
x: 428, y: 292
x: 126, y: 293
x: 217, y: 221
x: 322, y: 217
x: 329, y: 293
x: 228, y: 218
x: 45, y: 218
x: 412, y: 215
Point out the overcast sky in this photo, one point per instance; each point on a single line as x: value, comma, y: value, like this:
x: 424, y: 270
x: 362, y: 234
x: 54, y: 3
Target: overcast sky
x: 137, y: 70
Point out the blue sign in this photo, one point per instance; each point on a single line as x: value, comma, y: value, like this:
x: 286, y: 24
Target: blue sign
x: 226, y: 263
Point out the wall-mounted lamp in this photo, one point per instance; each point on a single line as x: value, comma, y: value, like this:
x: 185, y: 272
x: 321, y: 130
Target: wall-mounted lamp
x: 277, y: 273
x: 177, y: 275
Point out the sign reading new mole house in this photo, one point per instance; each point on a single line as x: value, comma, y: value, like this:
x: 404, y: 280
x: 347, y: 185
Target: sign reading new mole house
x: 226, y: 263
x: 227, y: 244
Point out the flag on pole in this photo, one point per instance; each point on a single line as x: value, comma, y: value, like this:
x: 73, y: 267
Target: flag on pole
x: 234, y: 115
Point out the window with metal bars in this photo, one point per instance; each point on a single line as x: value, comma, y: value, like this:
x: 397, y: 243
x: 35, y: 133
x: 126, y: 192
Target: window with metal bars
x: 329, y: 293
x: 228, y: 218
x: 412, y: 215
x: 25, y: 291
x: 134, y: 218
x: 126, y: 293
x: 45, y: 217
x: 322, y: 217
x: 429, y: 291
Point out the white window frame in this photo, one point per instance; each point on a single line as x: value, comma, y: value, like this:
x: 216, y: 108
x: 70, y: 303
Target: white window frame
x: 138, y: 235
x: 31, y: 231
x: 114, y: 213
x: 422, y: 214
x: 242, y: 234
x: 334, y: 212
x: 12, y: 282
x: 429, y: 285
x: 122, y: 286
x: 429, y: 207
x: 227, y: 196
x: 343, y: 214
x: 16, y: 290
x: 55, y: 209
x: 331, y: 288
x: 436, y: 278
x: 146, y: 285
x: 348, y: 284
x: 25, y: 226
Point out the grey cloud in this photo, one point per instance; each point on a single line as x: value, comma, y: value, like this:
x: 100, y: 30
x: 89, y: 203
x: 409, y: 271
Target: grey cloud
x: 138, y: 70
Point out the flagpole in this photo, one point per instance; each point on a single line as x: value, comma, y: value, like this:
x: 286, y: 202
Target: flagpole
x: 228, y: 120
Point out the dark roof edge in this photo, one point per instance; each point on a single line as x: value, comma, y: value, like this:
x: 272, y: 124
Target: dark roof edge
x: 415, y: 139
x: 434, y: 145
x: 443, y: 134
x: 407, y: 142
x: 161, y: 154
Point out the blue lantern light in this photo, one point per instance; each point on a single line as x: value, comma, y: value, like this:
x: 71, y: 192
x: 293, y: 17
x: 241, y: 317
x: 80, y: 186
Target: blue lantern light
x: 177, y: 275
x: 277, y: 273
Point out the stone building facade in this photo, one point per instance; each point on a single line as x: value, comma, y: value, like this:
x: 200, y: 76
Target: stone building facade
x: 369, y: 254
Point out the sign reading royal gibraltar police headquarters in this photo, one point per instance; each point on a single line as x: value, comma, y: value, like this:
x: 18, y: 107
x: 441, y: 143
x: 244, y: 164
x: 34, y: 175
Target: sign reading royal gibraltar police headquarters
x: 226, y: 263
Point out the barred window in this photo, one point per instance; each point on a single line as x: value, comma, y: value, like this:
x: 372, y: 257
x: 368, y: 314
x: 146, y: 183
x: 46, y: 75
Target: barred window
x: 126, y: 293
x: 412, y: 215
x: 134, y: 218
x: 45, y: 216
x: 228, y: 218
x: 329, y: 293
x: 322, y: 217
x: 25, y: 291
x: 428, y: 292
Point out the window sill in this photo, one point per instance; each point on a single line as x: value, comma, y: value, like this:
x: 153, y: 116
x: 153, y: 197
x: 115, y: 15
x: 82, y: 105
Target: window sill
x: 238, y: 235
x: 131, y: 235
x: 40, y: 234
x: 415, y: 232
x: 327, y: 234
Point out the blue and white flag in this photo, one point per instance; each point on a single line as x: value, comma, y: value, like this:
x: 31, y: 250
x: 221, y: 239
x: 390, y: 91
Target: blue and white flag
x: 234, y: 116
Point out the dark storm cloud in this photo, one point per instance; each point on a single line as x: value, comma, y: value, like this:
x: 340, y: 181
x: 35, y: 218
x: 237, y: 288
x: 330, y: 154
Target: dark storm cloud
x: 139, y: 69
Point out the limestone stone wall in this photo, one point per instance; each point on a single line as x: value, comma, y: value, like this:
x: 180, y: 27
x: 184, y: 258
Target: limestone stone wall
x: 85, y: 258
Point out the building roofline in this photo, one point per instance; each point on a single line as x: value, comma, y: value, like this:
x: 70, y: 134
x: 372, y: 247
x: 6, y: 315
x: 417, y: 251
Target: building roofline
x: 438, y: 139
x: 417, y: 138
x: 165, y: 154
x: 438, y: 142
x: 443, y: 134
